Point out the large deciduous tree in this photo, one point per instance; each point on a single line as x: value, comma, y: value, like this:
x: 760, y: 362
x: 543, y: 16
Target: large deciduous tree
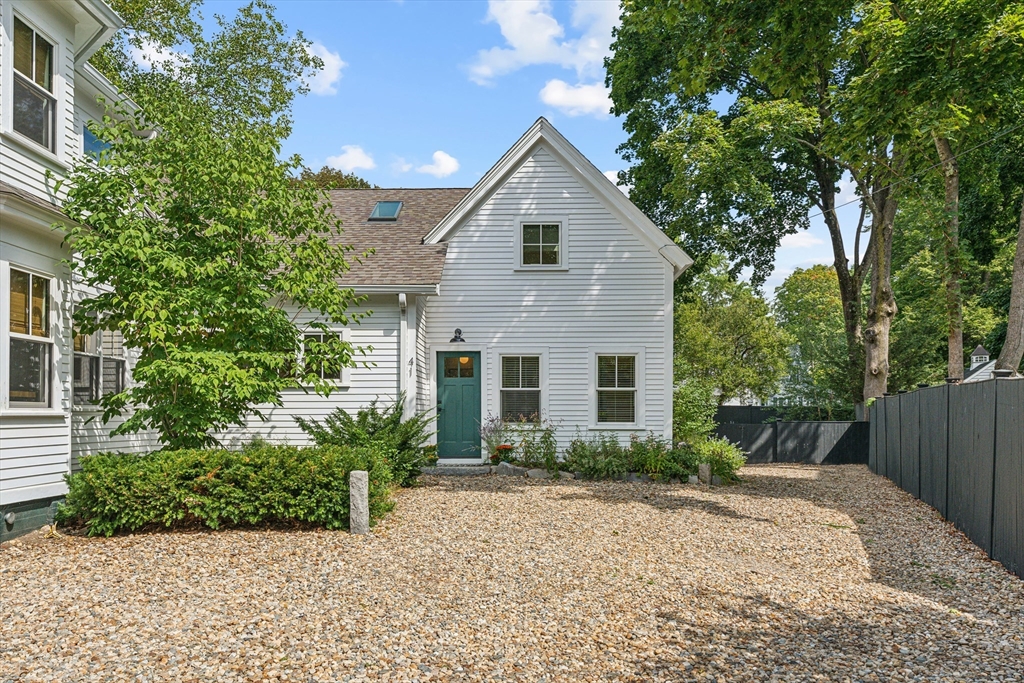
x: 205, y: 252
x: 726, y: 338
x: 788, y: 64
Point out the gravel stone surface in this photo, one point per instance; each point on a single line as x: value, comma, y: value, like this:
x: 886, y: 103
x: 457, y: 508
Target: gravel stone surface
x: 797, y: 574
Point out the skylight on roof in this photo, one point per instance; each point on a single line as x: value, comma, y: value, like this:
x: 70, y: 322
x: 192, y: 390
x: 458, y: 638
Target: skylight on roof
x: 386, y: 211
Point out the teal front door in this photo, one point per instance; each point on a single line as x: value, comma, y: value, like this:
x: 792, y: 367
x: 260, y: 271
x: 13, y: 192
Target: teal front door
x: 458, y: 404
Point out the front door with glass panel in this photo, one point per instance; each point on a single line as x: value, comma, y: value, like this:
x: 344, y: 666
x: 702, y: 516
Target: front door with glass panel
x: 458, y: 404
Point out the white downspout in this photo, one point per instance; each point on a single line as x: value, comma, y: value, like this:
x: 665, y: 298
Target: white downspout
x: 403, y: 352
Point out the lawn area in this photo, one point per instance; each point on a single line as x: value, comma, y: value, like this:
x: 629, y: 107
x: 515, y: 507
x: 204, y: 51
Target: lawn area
x: 798, y: 573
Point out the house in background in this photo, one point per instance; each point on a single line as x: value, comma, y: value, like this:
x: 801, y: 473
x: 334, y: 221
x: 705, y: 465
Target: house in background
x: 540, y: 291
x: 982, y: 366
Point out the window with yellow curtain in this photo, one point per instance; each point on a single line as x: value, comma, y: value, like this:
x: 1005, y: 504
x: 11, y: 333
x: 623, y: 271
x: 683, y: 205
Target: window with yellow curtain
x: 31, y: 344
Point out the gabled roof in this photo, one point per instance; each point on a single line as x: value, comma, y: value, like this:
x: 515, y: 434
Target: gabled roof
x: 401, y: 258
x: 981, y: 373
x: 542, y: 133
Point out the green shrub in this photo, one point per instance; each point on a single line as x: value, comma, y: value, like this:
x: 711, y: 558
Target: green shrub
x: 533, y: 442
x: 383, y: 427
x: 693, y: 410
x: 258, y: 485
x: 724, y: 457
x: 602, y: 456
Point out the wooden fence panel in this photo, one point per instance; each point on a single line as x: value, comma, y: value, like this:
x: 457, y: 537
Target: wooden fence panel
x: 934, y: 414
x: 873, y: 438
x: 881, y: 441
x: 1008, y: 516
x: 822, y: 443
x: 971, y: 459
x: 892, y: 439
x: 910, y: 443
x: 758, y: 440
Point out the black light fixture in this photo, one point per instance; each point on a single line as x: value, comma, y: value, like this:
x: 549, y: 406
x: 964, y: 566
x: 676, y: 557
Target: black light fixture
x: 458, y: 336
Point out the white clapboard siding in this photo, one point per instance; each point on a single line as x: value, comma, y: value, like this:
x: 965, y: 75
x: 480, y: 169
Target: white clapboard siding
x: 612, y: 296
x: 23, y: 164
x: 375, y: 376
x: 35, y: 443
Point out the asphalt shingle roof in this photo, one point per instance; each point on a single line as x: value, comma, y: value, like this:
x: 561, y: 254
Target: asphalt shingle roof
x: 401, y: 258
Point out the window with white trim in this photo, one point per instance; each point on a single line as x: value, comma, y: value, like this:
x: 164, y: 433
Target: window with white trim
x: 541, y: 244
x: 313, y: 346
x: 520, y: 388
x: 616, y: 389
x: 99, y: 366
x: 34, y: 104
x: 31, y: 340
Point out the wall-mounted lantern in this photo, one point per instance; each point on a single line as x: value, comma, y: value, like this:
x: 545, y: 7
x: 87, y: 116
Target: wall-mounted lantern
x: 458, y: 336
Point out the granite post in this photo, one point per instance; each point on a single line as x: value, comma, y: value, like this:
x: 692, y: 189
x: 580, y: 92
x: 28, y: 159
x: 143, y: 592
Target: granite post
x: 359, y: 502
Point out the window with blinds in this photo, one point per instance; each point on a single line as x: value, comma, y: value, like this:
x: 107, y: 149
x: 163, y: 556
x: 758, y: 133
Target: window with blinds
x: 520, y: 388
x: 616, y: 389
x: 99, y: 366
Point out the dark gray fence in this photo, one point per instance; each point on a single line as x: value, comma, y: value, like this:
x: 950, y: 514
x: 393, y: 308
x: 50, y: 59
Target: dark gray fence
x: 819, y: 443
x: 960, y: 448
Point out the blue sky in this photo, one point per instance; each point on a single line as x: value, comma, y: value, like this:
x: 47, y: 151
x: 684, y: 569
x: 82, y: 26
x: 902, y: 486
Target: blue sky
x: 431, y: 93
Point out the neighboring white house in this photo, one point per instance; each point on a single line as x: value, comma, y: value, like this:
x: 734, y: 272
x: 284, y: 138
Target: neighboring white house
x: 982, y: 366
x: 541, y: 290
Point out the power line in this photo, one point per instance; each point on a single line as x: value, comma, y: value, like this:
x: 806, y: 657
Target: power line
x: 925, y: 170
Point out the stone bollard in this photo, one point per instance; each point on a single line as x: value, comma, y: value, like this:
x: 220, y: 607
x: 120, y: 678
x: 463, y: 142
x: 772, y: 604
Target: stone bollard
x: 704, y: 473
x: 359, y: 502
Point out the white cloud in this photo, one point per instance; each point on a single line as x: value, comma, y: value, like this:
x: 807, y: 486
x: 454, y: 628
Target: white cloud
x: 322, y: 82
x: 614, y: 177
x: 400, y: 165
x: 800, y: 240
x: 534, y: 36
x: 150, y: 56
x: 352, y: 158
x: 444, y: 165
x: 576, y: 100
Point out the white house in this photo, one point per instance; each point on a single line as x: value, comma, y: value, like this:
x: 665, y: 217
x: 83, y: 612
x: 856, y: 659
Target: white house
x: 541, y: 290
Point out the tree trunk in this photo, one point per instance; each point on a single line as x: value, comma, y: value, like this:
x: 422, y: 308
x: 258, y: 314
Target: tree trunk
x: 882, y: 307
x: 849, y: 283
x: 951, y: 251
x: 1013, y: 348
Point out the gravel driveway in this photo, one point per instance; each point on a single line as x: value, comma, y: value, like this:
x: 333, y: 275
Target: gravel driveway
x: 798, y: 573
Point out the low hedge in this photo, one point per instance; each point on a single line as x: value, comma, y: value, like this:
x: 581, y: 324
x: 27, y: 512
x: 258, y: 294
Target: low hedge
x: 602, y: 456
x: 260, y: 485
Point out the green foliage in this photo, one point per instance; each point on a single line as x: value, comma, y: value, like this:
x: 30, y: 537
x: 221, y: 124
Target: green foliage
x: 726, y: 338
x: 382, y: 429
x: 195, y: 235
x: 808, y: 307
x: 259, y: 485
x: 533, y: 443
x: 601, y: 456
x: 328, y: 178
x: 725, y: 457
x: 693, y: 410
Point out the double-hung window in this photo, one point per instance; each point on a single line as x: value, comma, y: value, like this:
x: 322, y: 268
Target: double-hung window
x: 31, y: 340
x: 34, y: 103
x: 616, y: 389
x: 99, y: 366
x: 520, y: 388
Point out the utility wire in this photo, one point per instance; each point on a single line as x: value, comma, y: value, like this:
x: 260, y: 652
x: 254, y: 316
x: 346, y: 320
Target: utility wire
x: 923, y: 171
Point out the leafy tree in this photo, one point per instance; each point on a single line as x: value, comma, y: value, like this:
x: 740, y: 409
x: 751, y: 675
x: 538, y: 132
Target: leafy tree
x: 726, y: 338
x: 808, y: 307
x: 955, y: 65
x: 205, y: 253
x: 753, y: 172
x: 328, y: 178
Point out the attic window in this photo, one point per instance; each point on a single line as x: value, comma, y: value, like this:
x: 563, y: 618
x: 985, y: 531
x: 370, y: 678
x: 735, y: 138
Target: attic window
x: 386, y: 211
